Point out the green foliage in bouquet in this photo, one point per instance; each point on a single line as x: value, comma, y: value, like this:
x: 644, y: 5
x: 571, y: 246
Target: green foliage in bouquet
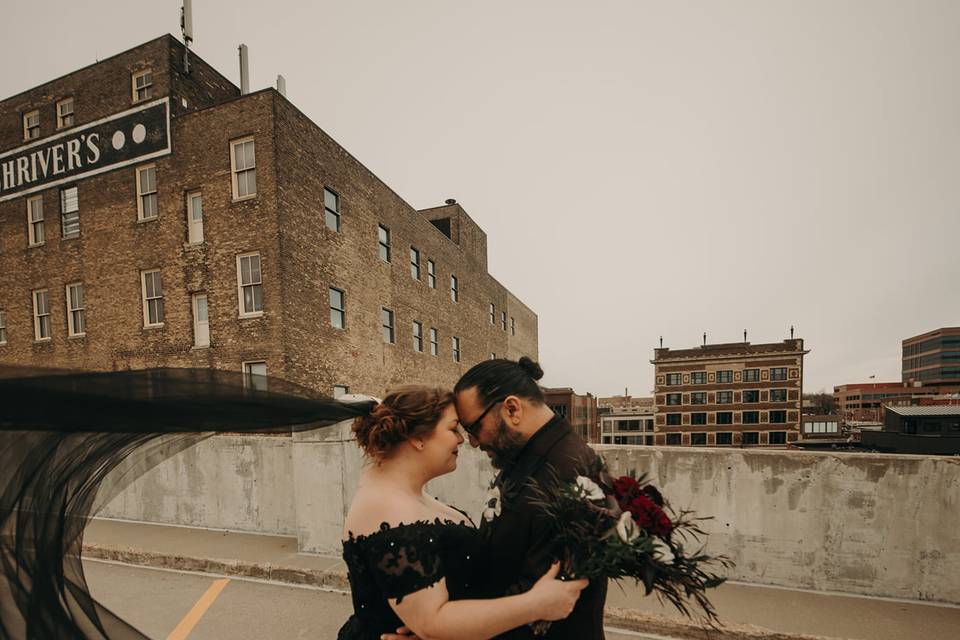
x: 623, y: 529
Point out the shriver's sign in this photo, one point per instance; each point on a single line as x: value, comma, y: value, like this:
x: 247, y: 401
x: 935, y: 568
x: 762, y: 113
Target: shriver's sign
x: 116, y: 141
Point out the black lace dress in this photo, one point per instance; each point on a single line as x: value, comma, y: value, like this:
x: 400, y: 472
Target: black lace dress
x: 396, y: 561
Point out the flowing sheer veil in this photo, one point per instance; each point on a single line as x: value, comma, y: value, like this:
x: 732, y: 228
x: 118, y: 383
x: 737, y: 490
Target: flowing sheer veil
x: 70, y: 441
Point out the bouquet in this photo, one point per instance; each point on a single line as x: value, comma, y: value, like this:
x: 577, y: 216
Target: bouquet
x: 624, y: 529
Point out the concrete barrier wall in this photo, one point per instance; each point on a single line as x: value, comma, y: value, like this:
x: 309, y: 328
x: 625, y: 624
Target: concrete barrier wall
x: 237, y: 482
x: 886, y: 525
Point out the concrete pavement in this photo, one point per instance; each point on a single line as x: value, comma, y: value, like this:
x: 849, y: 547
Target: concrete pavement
x: 748, y: 611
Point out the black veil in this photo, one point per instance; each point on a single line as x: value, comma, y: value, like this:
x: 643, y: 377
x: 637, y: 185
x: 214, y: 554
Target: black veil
x: 63, y: 433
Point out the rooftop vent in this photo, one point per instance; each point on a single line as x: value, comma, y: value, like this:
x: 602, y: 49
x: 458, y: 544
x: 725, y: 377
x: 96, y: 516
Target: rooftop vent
x: 450, y: 201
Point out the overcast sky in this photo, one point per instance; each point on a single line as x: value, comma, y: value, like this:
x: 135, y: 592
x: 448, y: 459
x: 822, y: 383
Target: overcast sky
x: 640, y: 168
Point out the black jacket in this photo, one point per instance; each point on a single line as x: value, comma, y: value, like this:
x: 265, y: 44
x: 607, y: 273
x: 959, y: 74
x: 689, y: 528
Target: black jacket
x: 520, y: 540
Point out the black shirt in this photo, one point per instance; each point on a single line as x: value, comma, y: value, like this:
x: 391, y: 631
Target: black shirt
x: 520, y: 541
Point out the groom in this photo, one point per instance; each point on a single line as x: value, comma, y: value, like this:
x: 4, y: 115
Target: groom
x: 502, y: 409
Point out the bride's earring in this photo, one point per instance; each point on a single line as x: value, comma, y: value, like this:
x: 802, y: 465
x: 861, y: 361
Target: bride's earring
x: 418, y: 445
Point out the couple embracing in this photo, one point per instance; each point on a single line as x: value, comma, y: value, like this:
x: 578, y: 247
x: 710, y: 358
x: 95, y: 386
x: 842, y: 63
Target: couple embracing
x: 421, y: 568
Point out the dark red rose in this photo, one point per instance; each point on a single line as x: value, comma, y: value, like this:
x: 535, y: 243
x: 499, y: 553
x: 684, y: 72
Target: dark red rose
x: 625, y: 487
x: 651, y: 492
x: 649, y: 516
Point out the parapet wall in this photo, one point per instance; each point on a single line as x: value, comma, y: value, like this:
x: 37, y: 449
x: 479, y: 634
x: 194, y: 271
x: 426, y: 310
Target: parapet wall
x: 884, y: 525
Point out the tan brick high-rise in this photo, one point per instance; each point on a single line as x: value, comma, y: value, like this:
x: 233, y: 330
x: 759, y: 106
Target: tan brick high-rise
x: 152, y: 217
x: 729, y: 394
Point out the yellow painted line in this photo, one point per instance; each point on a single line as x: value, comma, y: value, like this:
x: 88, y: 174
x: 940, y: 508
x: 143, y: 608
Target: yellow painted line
x: 193, y: 616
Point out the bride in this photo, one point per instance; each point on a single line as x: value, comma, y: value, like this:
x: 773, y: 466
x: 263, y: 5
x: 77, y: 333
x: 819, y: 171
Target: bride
x: 412, y: 560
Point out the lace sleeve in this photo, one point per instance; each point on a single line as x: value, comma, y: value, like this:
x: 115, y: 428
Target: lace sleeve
x: 405, y: 559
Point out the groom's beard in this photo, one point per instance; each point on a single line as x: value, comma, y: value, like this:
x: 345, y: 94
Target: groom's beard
x: 506, y: 445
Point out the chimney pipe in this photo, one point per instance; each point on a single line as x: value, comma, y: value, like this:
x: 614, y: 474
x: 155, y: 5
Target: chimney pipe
x: 282, y: 85
x: 244, y: 70
x: 186, y: 26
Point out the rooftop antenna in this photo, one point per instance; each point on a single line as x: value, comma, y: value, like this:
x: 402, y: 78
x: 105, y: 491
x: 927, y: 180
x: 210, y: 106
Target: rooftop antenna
x: 791, y: 332
x: 744, y: 335
x: 661, y: 342
x: 244, y: 70
x: 186, y: 26
x: 704, y: 338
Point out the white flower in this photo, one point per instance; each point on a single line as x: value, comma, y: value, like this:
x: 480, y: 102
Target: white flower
x: 493, y: 507
x: 626, y: 528
x: 589, y: 489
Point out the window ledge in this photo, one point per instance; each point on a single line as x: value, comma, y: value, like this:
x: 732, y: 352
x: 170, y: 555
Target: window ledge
x: 77, y: 336
x: 42, y: 340
x: 35, y: 245
x: 250, y: 316
x: 73, y: 237
x: 194, y: 246
x: 244, y: 198
x: 144, y: 220
x: 151, y: 327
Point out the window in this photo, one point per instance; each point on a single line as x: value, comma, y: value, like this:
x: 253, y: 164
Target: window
x: 383, y: 238
x: 698, y: 418
x: 724, y: 438
x: 152, y: 298
x: 751, y: 396
x: 673, y: 439
x: 674, y: 399
x: 778, y: 417
x: 778, y: 437
x: 147, y: 192
x: 454, y: 289
x: 3, y: 327
x: 434, y: 346
x: 331, y: 209
x: 724, y: 397
x: 674, y: 378
x: 243, y: 166
x: 724, y: 417
x: 493, y: 356
x: 31, y: 125
x: 255, y: 375
x: 699, y: 397
x: 779, y: 373
x: 493, y: 314
x: 698, y: 377
x: 142, y: 85
x: 250, y: 284
x: 431, y: 274
x: 417, y: 337
x: 725, y: 376
x: 69, y: 212
x: 698, y: 439
x: 513, y: 326
x: 41, y: 315
x: 673, y: 419
x: 503, y: 320
x: 76, y: 318
x: 338, y: 309
x: 386, y: 320
x: 65, y: 113
x: 201, y: 321
x: 750, y: 437
x: 340, y: 390
x: 821, y: 427
x: 751, y: 417
x: 195, y: 217
x: 35, y: 220
x: 456, y: 349
x: 751, y: 375
x: 414, y: 263
x: 778, y: 395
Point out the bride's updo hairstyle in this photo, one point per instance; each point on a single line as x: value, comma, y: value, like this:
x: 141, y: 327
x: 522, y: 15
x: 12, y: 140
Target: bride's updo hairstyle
x: 410, y: 411
x: 500, y: 377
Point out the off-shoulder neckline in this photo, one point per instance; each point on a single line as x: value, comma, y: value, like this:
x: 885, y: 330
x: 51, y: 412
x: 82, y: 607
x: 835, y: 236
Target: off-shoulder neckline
x: 386, y: 526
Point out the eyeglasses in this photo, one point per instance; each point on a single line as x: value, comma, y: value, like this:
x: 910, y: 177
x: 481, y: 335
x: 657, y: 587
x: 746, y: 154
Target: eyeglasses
x: 474, y: 427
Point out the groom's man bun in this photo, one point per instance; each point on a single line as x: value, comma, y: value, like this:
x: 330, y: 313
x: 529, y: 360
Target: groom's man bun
x: 500, y: 377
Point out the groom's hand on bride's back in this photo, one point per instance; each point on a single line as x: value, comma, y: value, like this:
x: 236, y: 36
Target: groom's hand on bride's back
x: 403, y: 633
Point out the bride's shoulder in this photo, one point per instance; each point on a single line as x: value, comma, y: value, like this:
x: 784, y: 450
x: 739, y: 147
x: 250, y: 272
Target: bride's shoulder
x: 374, y: 511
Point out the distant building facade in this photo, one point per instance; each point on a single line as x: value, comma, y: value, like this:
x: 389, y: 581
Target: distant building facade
x: 736, y: 394
x: 579, y: 410
x: 154, y: 216
x: 921, y: 430
x: 932, y: 358
x: 865, y: 402
x: 626, y: 420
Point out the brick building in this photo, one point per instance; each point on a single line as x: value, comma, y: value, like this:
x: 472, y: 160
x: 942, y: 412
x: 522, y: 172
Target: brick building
x: 932, y: 358
x: 626, y: 420
x: 729, y: 394
x: 151, y: 216
x: 579, y: 410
